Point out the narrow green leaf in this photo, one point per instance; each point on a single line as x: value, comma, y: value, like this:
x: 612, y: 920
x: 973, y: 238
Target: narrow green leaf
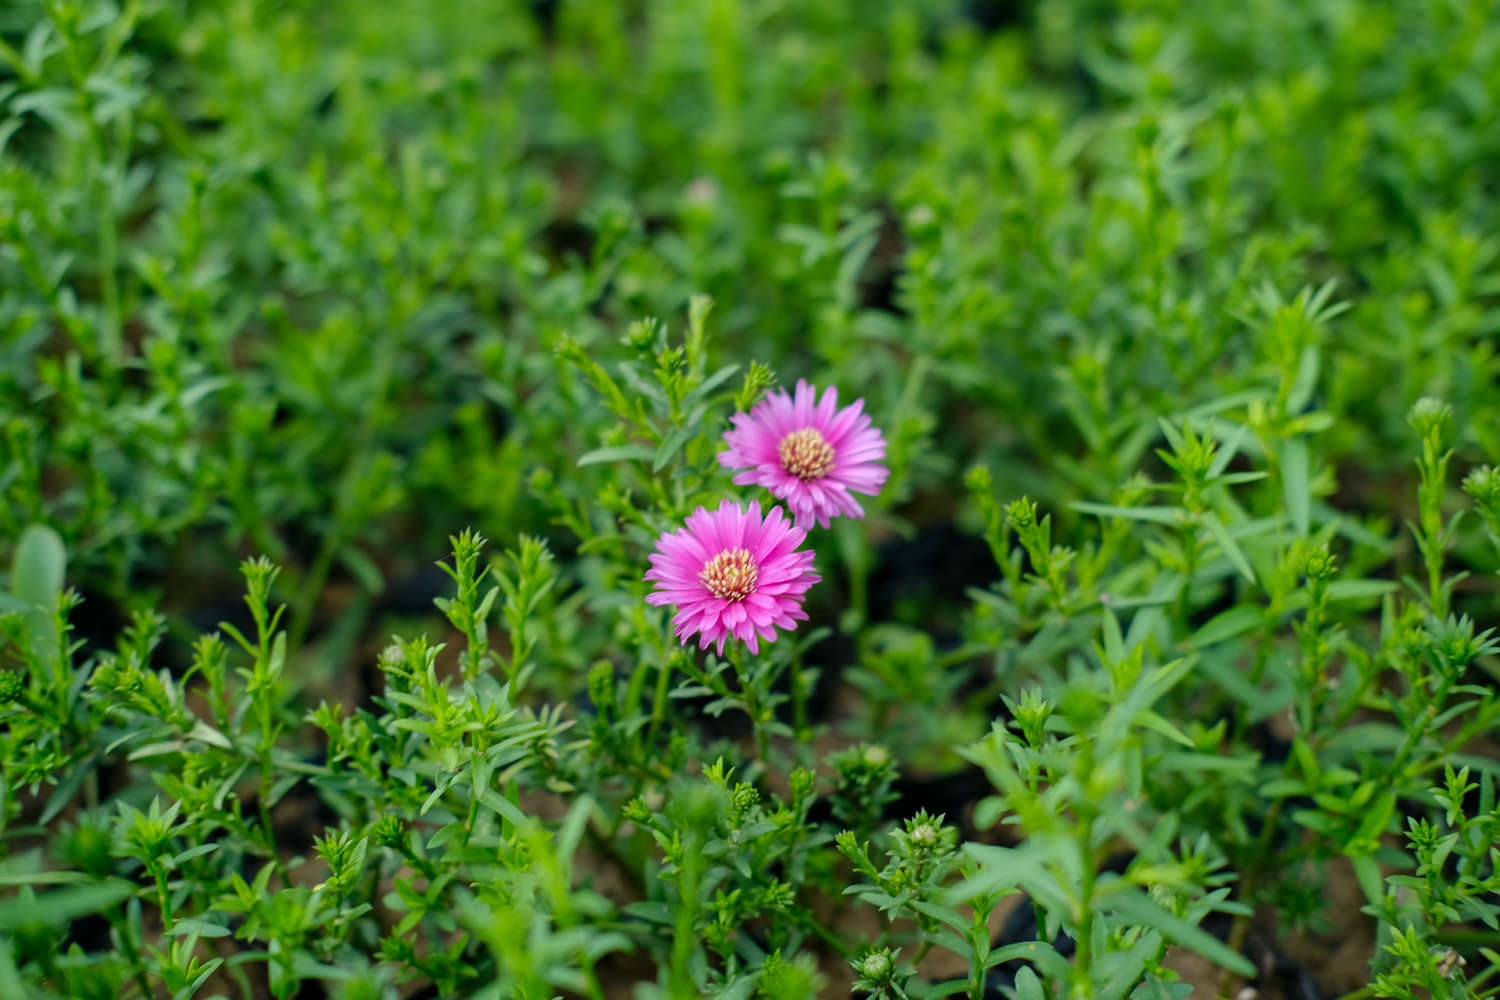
x: 1359, y: 590
x: 1294, y: 484
x: 1157, y: 515
x: 208, y: 734
x: 1114, y: 641
x: 1367, y: 873
x: 202, y: 928
x: 1241, y: 768
x: 1138, y: 908
x: 1028, y: 986
x: 1227, y: 451
x: 1160, y: 725
x: 670, y: 445
x: 1306, y: 381
x: 708, y: 385
x: 38, y: 567
x: 1173, y: 436
x: 618, y: 453
x: 61, y: 906
x: 1231, y: 548
x: 1227, y: 625
x: 499, y: 804
x: 66, y: 789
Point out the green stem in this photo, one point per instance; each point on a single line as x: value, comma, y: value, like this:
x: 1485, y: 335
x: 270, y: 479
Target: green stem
x: 1084, y: 957
x: 163, y: 900
x: 132, y: 953
x: 659, y: 703
x: 799, y: 700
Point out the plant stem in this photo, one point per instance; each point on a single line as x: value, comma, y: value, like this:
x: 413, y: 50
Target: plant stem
x: 799, y: 700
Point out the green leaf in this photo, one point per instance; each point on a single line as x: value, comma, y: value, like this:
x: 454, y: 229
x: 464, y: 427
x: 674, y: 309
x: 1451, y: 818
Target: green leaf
x: 1231, y: 548
x: 502, y: 806
x: 362, y: 567
x: 209, y: 968
x: 1307, y: 379
x: 1367, y: 873
x: 1227, y: 451
x: 1160, y: 725
x: 1157, y: 515
x: 38, y: 566
x: 1039, y: 953
x: 1238, y: 768
x: 1294, y: 484
x: 61, y: 906
x: 1228, y: 624
x: 670, y: 445
x: 1138, y: 908
x: 66, y: 789
x: 202, y: 928
x: 708, y: 385
x: 1359, y: 590
x: 1236, y: 478
x: 618, y: 453
x: 1028, y: 986
x: 208, y: 734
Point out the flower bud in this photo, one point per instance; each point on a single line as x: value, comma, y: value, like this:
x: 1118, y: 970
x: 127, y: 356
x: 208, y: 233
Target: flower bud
x: 877, y: 966
x: 1319, y: 565
x: 924, y: 835
x: 1431, y: 417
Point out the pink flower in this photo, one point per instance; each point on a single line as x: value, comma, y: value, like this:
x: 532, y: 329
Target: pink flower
x: 808, y: 452
x: 729, y: 572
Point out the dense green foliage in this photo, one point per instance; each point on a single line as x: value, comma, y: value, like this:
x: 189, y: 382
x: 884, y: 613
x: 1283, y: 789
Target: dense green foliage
x: 1179, y: 321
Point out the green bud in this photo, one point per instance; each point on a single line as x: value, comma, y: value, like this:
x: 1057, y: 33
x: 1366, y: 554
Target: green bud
x: 1022, y: 513
x: 542, y: 480
x: 11, y: 686
x: 922, y: 218
x: 876, y: 966
x: 1031, y: 716
x: 924, y: 835
x: 570, y: 350
x: 637, y: 812
x: 1431, y: 418
x: 1319, y: 565
x: 671, y: 360
x: 847, y: 843
x: 757, y: 380
x: 1483, y: 484
x: 602, y: 686
x: 803, y: 781
x: 642, y: 334
x: 977, y: 479
x: 743, y: 798
x: 389, y: 831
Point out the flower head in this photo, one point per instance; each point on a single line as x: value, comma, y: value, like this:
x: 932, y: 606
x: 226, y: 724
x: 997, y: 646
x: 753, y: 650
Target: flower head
x: 808, y: 452
x: 731, y: 572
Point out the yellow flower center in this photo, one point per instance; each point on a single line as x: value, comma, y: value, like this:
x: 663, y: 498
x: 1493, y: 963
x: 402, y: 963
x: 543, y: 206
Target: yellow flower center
x: 730, y: 575
x: 806, y: 454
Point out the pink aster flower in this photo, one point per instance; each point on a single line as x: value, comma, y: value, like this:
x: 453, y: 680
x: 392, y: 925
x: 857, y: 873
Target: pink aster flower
x: 732, y: 573
x: 808, y: 452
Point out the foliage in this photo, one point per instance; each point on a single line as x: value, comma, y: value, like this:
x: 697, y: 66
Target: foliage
x: 1178, y: 323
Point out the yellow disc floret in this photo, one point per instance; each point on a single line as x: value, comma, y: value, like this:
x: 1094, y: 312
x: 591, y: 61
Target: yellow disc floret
x: 730, y: 575
x: 806, y: 454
